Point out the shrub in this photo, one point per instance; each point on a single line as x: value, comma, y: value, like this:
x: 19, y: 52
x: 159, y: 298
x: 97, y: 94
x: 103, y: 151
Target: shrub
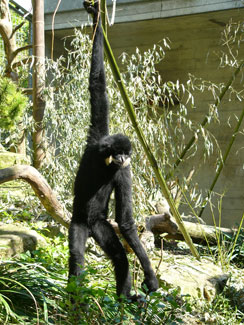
x: 12, y: 104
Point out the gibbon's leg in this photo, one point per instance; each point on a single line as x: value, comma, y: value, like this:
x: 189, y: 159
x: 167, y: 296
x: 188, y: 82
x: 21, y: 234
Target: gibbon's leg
x: 124, y: 218
x: 78, y: 234
x: 129, y: 232
x: 105, y: 236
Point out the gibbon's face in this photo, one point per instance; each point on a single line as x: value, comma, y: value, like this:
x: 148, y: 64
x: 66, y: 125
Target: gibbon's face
x: 119, y: 151
x: 121, y: 160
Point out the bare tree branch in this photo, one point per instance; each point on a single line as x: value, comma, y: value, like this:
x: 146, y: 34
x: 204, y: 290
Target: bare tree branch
x: 41, y: 188
x: 20, y: 49
x: 8, y: 34
x: 17, y: 28
x: 27, y: 91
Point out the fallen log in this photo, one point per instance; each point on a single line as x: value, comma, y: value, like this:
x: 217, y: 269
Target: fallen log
x: 201, y: 233
x: 161, y: 223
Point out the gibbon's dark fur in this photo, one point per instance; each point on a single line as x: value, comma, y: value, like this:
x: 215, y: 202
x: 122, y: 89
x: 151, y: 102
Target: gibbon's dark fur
x: 103, y: 168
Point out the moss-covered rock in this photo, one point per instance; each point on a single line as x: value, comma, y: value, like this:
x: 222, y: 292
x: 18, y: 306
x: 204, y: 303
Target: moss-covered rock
x: 15, y: 239
x: 200, y: 279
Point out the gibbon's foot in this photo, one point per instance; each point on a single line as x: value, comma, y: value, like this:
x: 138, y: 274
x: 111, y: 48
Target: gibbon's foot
x: 151, y: 284
x: 139, y: 300
x: 131, y: 299
x: 135, y: 298
x: 91, y: 6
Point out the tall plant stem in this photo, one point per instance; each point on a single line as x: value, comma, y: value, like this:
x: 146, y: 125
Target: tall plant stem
x: 222, y: 163
x: 103, y: 12
x: 206, y: 119
x: 149, y: 154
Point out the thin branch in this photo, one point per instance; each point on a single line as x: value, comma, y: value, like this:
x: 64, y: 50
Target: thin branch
x: 179, y: 194
x: 113, y: 13
x: 27, y: 91
x: 17, y: 28
x: 20, y: 49
x: 103, y: 10
x: 53, y: 18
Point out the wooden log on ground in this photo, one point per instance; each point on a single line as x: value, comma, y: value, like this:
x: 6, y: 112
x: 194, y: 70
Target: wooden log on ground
x: 161, y: 223
x: 201, y: 233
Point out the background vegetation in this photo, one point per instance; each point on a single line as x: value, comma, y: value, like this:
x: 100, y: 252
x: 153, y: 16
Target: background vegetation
x: 33, y: 286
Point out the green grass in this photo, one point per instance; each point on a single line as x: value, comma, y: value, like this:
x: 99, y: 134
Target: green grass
x: 33, y: 288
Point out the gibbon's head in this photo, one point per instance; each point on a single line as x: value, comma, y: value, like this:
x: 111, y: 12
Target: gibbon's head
x: 116, y: 149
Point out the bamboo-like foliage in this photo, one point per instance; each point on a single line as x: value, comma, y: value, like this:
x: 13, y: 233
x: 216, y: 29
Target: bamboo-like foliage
x: 141, y: 137
x: 206, y: 119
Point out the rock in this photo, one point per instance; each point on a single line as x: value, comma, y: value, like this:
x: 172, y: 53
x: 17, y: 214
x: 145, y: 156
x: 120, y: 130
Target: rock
x: 197, y: 278
x: 15, y: 239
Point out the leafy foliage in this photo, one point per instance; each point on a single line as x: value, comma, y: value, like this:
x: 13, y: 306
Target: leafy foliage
x: 12, y: 104
x: 33, y: 288
x: 36, y: 291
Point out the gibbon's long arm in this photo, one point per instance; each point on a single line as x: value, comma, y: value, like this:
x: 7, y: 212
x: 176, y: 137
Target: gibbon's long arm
x: 99, y: 102
x: 104, y: 167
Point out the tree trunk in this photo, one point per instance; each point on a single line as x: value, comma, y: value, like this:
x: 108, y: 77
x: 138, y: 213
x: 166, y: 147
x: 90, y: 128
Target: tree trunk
x: 6, y: 30
x: 38, y: 80
x: 11, y: 51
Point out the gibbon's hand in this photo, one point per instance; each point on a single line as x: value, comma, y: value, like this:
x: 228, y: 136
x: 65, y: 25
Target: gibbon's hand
x: 91, y: 8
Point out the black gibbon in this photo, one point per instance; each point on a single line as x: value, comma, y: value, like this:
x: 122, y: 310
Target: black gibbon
x: 104, y: 167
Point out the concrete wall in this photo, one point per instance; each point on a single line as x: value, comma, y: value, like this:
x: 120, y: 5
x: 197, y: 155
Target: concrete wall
x: 71, y: 14
x: 194, y: 28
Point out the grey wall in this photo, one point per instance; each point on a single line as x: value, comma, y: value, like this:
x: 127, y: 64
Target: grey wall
x: 71, y: 13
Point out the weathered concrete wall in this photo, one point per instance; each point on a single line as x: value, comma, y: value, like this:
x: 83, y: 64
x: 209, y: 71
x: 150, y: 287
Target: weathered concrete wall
x: 71, y: 13
x: 195, y: 41
x: 195, y: 37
